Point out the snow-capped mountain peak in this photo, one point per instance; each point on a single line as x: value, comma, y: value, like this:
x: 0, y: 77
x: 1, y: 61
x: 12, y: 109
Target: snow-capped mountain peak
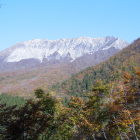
x: 74, y: 48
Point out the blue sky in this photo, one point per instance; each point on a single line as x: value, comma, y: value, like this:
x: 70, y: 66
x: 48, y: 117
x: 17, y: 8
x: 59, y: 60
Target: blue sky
x: 22, y: 20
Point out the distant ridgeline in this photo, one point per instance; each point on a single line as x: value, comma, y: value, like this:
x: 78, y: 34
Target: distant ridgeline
x: 111, y: 70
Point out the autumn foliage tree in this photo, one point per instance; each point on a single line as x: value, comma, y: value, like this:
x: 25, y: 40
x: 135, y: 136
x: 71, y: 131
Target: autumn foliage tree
x: 29, y: 121
x: 107, y: 112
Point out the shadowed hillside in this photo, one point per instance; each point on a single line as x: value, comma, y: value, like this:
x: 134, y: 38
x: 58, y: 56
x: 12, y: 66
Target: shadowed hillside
x: 111, y: 70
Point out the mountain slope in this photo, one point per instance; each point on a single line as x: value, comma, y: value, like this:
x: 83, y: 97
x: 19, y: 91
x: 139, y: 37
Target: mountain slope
x: 73, y: 48
x: 111, y: 70
x: 42, y: 63
x: 47, y: 52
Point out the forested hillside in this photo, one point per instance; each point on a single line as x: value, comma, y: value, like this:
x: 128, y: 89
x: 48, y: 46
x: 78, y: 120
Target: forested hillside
x: 111, y: 70
x: 12, y: 100
x: 110, y: 112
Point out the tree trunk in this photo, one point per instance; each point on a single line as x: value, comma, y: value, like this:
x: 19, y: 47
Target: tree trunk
x: 104, y: 134
x: 93, y: 137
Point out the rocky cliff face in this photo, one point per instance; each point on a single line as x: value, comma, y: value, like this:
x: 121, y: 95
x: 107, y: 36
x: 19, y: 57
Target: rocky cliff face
x: 35, y: 52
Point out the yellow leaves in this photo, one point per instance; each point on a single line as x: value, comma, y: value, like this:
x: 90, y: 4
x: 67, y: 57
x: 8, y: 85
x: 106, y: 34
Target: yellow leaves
x: 127, y: 76
x: 115, y: 108
x: 137, y: 71
x: 73, y: 119
x: 126, y: 112
x: 128, y: 121
x: 77, y: 99
x: 76, y: 102
x: 125, y: 123
x: 91, y: 126
x: 88, y: 111
x: 86, y: 123
x: 127, y: 118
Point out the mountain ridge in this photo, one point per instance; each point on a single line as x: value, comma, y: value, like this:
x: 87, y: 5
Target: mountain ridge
x: 61, y: 48
x: 15, y: 77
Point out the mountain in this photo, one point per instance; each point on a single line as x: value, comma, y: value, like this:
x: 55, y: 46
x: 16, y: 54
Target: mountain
x: 111, y: 70
x: 42, y: 63
x: 36, y: 52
